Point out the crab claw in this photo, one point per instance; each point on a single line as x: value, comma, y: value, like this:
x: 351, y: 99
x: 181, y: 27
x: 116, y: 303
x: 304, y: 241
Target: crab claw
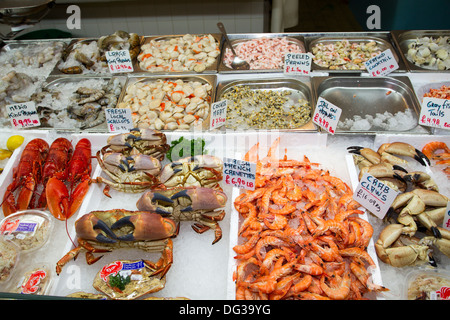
x: 146, y: 226
x: 403, y: 149
x: 90, y: 227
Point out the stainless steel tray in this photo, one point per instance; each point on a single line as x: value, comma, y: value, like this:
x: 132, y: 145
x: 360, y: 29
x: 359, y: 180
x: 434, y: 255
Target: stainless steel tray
x: 104, y: 71
x: 362, y: 96
x: 237, y: 38
x: 297, y: 88
x: 403, y: 38
x: 54, y: 83
x: 211, y: 79
x: 381, y: 40
x: 147, y: 39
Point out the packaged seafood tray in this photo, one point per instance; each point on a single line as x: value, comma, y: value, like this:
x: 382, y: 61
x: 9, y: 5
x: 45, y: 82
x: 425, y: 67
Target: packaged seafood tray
x: 170, y: 102
x: 427, y: 285
x: 77, y: 103
x: 87, y: 55
x: 346, y: 53
x: 245, y: 269
x: 371, y: 104
x: 269, y: 104
x: 424, y: 50
x: 186, y: 53
x: 264, y: 51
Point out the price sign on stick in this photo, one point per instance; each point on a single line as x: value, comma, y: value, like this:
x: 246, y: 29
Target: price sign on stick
x: 297, y: 63
x: 374, y: 195
x: 119, y: 119
x: 218, y: 114
x: 239, y: 173
x: 119, y: 61
x: 435, y: 112
x: 23, y: 115
x: 382, y: 64
x: 326, y: 115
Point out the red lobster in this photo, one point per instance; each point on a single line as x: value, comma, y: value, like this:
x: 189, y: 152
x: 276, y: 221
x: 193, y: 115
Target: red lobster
x: 63, y: 202
x: 26, y: 177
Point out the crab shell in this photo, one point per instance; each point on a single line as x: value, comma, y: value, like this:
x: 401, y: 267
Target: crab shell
x: 145, y: 141
x: 182, y: 199
x: 113, y: 225
x: 200, y: 170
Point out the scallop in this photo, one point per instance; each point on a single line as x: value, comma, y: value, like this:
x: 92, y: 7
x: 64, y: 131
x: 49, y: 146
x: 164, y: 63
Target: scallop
x: 442, y: 54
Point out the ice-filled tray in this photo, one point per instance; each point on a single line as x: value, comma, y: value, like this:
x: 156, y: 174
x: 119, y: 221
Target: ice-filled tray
x: 78, y: 103
x: 162, y: 60
x: 254, y: 47
x: 254, y: 103
x: 371, y: 104
x: 427, y: 60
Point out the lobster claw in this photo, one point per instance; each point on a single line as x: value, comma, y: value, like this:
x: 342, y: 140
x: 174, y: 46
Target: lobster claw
x: 57, y: 198
x: 62, y: 204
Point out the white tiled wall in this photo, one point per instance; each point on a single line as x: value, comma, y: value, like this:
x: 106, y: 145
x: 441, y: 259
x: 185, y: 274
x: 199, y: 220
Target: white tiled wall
x: 156, y: 17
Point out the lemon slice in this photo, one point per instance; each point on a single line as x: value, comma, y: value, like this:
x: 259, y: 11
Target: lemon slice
x: 14, y: 142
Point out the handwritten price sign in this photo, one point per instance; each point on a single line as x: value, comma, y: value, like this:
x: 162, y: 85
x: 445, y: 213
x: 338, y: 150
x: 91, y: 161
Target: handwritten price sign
x: 218, y: 114
x: 435, y: 113
x: 382, y: 64
x: 326, y: 115
x: 119, y: 61
x: 119, y: 119
x: 297, y: 63
x: 239, y: 173
x: 23, y: 115
x: 374, y: 195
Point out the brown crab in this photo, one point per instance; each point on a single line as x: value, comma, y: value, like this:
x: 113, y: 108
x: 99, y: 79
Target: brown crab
x: 104, y: 231
x: 198, y: 204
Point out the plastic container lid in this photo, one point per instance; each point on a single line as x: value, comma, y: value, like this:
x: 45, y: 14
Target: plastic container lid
x: 428, y: 284
x: 28, y: 229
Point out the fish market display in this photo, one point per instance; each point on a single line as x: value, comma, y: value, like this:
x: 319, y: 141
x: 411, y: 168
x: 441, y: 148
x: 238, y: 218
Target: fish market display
x: 441, y: 93
x: 265, y: 109
x: 168, y: 104
x: 185, y: 53
x: 88, y: 56
x: 301, y: 234
x: 263, y: 53
x: 418, y: 203
x: 430, y: 53
x: 78, y: 103
x: 344, y: 54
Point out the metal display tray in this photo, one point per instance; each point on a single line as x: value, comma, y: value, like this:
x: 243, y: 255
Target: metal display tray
x: 362, y: 96
x: 202, y: 78
x: 55, y: 82
x: 105, y: 71
x: 298, y: 89
x: 147, y: 39
x: 403, y: 38
x: 238, y: 38
x: 382, y: 39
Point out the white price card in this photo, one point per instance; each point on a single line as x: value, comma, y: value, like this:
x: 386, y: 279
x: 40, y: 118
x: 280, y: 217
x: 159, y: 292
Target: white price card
x: 239, y: 173
x: 446, y: 222
x: 23, y: 115
x: 382, y: 64
x: 297, y: 63
x: 119, y: 119
x: 119, y: 61
x: 326, y: 115
x: 374, y: 195
x: 435, y: 112
x: 218, y: 114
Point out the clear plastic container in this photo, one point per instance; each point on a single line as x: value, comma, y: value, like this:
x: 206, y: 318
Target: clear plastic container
x: 428, y: 284
x: 9, y: 257
x: 28, y: 230
x: 36, y: 280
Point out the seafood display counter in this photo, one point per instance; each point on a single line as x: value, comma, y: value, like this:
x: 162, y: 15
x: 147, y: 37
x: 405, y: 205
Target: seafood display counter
x: 152, y: 213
